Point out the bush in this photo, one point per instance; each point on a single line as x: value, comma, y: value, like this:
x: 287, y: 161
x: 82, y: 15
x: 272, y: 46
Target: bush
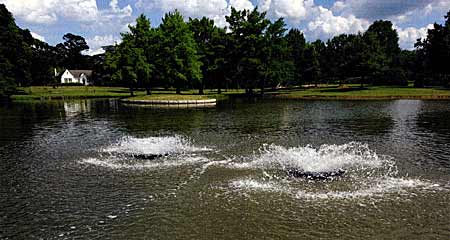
x: 394, y: 76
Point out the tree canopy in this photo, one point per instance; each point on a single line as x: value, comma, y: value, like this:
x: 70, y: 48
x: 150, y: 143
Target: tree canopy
x: 253, y: 52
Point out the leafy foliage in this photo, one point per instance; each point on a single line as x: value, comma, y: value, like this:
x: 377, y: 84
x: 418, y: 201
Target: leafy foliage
x: 252, y: 52
x: 179, y: 50
x: 434, y: 55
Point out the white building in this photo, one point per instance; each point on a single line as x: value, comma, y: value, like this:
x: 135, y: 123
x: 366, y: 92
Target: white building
x: 76, y: 76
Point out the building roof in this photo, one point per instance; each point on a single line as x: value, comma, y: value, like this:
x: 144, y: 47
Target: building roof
x: 77, y: 73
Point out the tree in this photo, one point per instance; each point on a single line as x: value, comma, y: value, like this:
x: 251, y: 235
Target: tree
x: 435, y: 52
x: 277, y: 61
x: 312, y: 66
x: 181, y: 62
x: 337, y: 57
x: 382, y: 40
x: 71, y: 52
x: 14, y: 54
x: 297, y: 44
x: 127, y: 63
x: 43, y: 61
x: 219, y: 60
x: 142, y: 37
x: 204, y: 30
x: 387, y: 37
x: 247, y: 36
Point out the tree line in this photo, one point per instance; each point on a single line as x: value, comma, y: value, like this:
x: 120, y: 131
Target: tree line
x: 251, y: 53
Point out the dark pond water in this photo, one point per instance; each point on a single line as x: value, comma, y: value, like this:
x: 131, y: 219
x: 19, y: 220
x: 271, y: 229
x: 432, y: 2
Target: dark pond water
x: 75, y: 170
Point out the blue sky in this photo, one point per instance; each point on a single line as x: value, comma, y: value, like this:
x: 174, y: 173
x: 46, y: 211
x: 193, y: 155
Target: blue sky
x: 101, y: 21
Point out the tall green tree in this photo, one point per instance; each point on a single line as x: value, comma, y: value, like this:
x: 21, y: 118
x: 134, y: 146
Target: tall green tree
x: 297, y: 44
x: 217, y: 70
x: 181, y: 62
x: 434, y: 51
x: 382, y: 40
x: 312, y: 70
x: 70, y: 52
x: 387, y: 38
x: 204, y: 30
x: 247, y: 36
x: 43, y: 62
x: 127, y: 64
x: 337, y: 57
x: 15, y: 54
x: 278, y: 63
x: 142, y: 37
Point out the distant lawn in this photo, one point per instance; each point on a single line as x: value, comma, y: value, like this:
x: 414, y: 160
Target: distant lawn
x: 323, y: 92
x: 369, y: 92
x: 74, y: 92
x: 44, y: 92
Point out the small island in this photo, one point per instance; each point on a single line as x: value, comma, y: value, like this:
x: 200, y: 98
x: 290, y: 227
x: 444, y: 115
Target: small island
x: 172, y: 100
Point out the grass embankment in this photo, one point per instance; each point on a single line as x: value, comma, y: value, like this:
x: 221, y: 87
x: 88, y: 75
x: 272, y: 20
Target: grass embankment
x: 42, y: 92
x: 323, y: 92
x: 371, y: 92
x: 77, y: 92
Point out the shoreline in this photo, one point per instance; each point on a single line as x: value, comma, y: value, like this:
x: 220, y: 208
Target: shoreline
x: 362, y: 98
x: 43, y: 93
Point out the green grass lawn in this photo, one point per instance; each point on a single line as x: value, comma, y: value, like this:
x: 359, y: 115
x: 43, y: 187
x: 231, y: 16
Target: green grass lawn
x: 348, y: 92
x: 365, y: 93
x: 43, y: 92
x: 67, y: 92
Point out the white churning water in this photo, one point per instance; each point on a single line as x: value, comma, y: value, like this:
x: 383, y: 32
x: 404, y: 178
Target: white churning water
x: 322, y: 159
x: 117, y: 163
x: 154, y: 146
x: 169, y: 151
x: 375, y: 188
x: 367, y: 173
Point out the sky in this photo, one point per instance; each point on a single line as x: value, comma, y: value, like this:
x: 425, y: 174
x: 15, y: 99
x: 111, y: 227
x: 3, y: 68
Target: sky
x: 100, y: 22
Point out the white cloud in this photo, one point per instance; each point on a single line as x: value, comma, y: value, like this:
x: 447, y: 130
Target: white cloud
x: 48, y: 11
x: 324, y: 24
x: 399, y: 11
x: 241, y: 4
x: 379, y: 9
x: 292, y: 10
x: 408, y: 36
x: 37, y: 36
x: 97, y: 42
x: 214, y: 9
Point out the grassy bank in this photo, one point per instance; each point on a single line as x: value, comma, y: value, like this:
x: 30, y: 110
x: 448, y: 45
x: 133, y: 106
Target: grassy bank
x: 324, y: 92
x: 76, y: 92
x: 371, y: 92
x: 44, y: 93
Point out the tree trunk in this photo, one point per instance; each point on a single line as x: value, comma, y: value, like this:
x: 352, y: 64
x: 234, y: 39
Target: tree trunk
x: 200, y: 91
x: 262, y: 86
x: 132, y: 91
x: 149, y: 91
x: 178, y: 90
x: 219, y: 90
x: 362, y: 82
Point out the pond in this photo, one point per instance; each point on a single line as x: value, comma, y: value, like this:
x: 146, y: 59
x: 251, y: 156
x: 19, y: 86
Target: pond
x: 97, y: 169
